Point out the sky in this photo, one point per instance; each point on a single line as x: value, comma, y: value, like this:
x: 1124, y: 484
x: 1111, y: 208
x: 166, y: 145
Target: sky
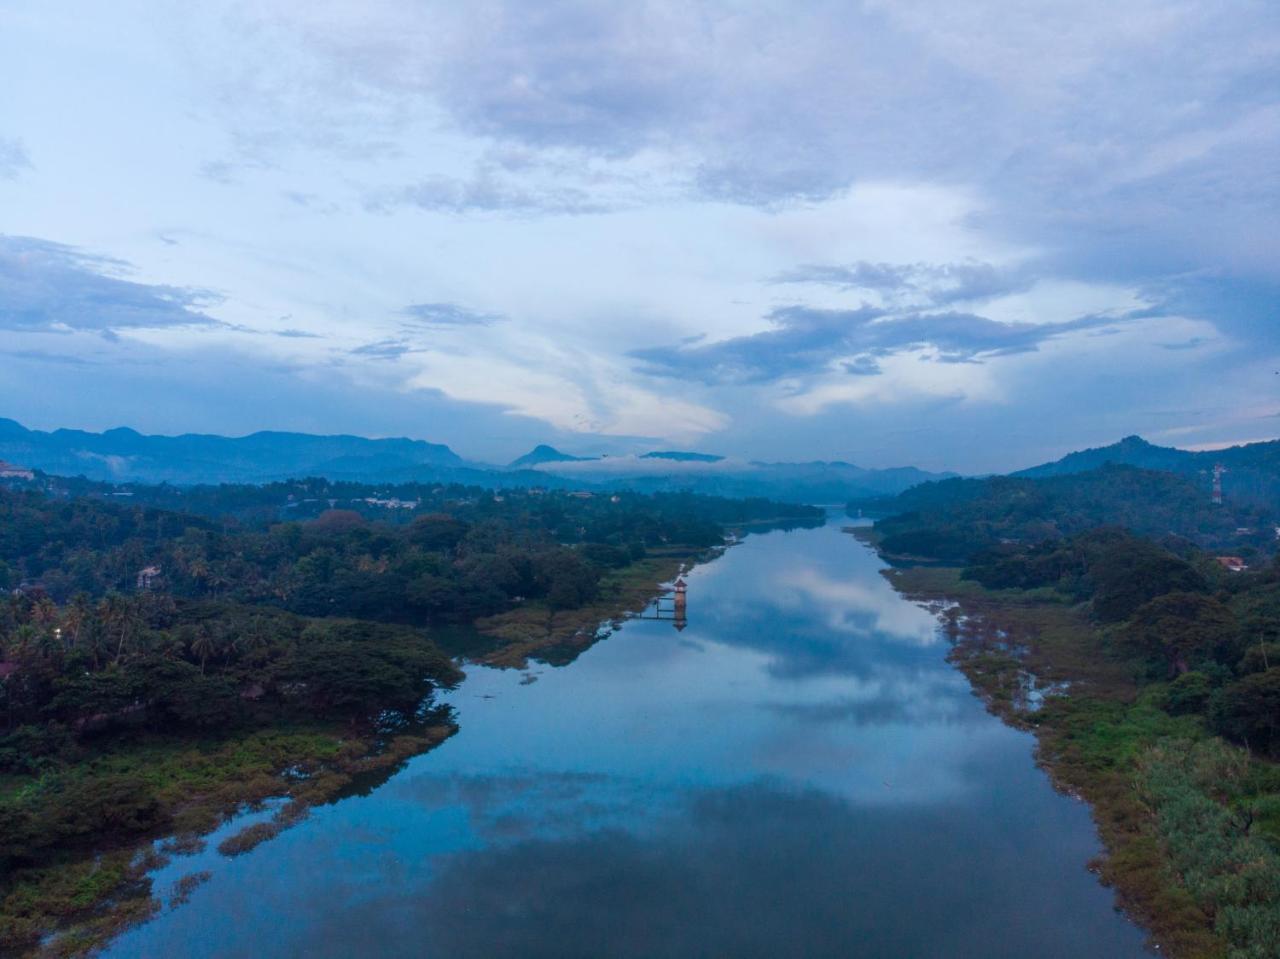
x: 966, y: 235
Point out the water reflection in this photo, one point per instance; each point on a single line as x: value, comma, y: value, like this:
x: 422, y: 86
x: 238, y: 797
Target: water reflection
x: 759, y: 869
x: 800, y: 773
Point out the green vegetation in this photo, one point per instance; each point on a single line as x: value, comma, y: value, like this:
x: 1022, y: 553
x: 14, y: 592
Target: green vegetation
x: 1149, y: 675
x: 953, y: 520
x: 160, y: 669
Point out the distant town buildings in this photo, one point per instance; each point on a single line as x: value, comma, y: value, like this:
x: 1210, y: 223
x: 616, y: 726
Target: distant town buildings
x: 148, y: 577
x: 1233, y: 563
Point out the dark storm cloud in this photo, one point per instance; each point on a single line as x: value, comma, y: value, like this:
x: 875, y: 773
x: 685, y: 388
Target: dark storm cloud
x: 805, y: 340
x: 49, y: 286
x: 447, y: 314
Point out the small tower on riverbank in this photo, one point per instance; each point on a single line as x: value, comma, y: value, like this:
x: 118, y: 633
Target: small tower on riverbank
x: 681, y: 604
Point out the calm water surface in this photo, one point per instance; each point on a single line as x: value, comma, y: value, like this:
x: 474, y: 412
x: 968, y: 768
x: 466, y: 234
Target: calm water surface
x: 798, y: 773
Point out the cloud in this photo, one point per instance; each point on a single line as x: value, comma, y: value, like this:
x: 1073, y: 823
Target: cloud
x: 937, y: 284
x: 862, y: 366
x: 50, y: 286
x: 45, y: 356
x: 485, y: 192
x: 1192, y: 344
x: 806, y: 340
x: 778, y: 103
x: 13, y: 158
x: 384, y: 349
x: 448, y: 315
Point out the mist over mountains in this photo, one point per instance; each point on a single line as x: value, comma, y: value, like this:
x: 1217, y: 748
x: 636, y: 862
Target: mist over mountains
x: 127, y: 456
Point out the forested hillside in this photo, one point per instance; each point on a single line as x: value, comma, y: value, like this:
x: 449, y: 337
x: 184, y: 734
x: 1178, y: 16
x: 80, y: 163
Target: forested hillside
x: 953, y: 519
x: 1252, y: 469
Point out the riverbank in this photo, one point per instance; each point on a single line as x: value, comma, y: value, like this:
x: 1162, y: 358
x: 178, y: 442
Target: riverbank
x: 536, y: 630
x: 182, y: 789
x: 1177, y: 808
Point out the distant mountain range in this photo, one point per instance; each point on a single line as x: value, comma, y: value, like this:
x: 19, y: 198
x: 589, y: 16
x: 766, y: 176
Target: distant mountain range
x: 1253, y: 469
x: 127, y: 456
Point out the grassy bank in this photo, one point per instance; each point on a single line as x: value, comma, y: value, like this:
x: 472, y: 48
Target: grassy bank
x: 536, y: 630
x: 95, y: 884
x: 1190, y: 823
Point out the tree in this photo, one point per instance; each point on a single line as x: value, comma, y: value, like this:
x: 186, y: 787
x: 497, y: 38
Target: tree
x: 1180, y: 630
x: 1249, y: 710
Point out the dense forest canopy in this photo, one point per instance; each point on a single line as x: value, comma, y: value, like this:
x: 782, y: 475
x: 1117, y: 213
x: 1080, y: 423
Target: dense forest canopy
x: 954, y: 519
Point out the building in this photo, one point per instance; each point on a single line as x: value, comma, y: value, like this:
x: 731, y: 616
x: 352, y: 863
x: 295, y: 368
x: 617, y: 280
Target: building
x: 1233, y: 563
x: 681, y: 608
x: 148, y: 577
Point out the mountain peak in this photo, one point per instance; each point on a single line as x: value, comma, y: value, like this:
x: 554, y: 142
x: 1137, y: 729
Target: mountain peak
x: 542, y: 453
x: 1132, y: 450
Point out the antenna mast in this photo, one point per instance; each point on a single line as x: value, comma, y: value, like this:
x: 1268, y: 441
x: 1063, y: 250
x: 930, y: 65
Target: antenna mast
x: 1218, y: 470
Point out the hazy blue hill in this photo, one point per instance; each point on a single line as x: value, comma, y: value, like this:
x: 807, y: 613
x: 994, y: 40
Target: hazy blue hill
x: 815, y: 482
x: 1253, y: 468
x: 1135, y: 451
x: 543, y: 453
x: 1130, y: 451
x: 682, y: 456
x: 956, y: 518
x: 127, y: 455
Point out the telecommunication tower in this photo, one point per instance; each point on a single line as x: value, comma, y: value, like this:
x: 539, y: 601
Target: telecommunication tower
x: 1218, y: 470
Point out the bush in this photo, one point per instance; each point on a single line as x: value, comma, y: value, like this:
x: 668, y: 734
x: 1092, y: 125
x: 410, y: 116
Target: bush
x: 1188, y: 693
x: 1249, y: 711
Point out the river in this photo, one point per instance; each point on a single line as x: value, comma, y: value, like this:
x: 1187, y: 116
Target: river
x: 797, y: 773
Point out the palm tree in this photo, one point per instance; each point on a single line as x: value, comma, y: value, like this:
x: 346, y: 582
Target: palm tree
x: 77, y: 613
x: 204, y: 645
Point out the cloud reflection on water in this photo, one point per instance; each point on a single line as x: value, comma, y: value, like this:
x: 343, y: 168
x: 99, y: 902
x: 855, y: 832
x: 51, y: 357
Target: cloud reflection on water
x: 753, y: 870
